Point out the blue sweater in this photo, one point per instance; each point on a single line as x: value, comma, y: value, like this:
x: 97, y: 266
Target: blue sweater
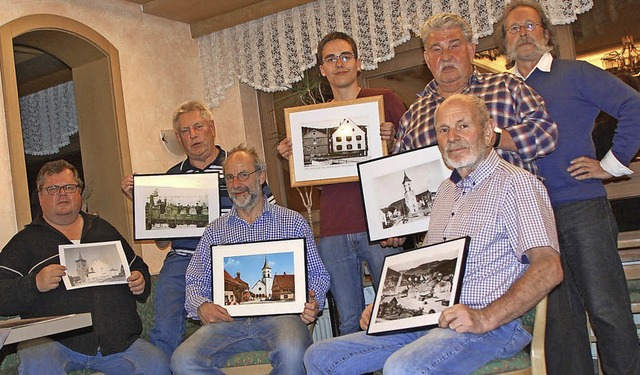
x: 575, y: 92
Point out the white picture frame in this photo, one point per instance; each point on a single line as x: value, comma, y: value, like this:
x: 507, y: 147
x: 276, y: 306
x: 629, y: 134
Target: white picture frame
x: 94, y: 264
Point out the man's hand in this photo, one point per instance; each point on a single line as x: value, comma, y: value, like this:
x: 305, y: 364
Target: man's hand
x: 393, y: 242
x: 461, y: 318
x: 136, y: 283
x: 127, y: 186
x: 49, y: 277
x: 209, y: 312
x: 365, y: 318
x: 388, y: 133
x: 284, y: 148
x: 583, y: 168
x: 311, y: 308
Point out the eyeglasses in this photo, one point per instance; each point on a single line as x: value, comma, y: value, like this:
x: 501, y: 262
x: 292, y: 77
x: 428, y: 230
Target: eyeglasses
x: 344, y: 57
x: 529, y: 26
x: 57, y: 189
x: 242, y: 176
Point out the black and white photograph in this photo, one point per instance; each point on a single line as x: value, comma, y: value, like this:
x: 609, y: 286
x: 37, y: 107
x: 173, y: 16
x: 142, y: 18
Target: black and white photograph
x: 94, y: 264
x: 416, y: 286
x: 329, y: 139
x: 171, y: 206
x: 398, y: 191
x: 260, y: 278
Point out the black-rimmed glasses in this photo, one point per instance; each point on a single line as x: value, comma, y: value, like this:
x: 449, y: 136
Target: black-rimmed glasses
x: 57, y: 189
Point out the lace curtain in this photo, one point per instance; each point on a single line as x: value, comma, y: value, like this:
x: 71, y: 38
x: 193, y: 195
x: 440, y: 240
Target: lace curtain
x: 48, y: 118
x: 271, y: 53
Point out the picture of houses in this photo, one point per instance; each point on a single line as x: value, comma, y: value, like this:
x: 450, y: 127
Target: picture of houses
x: 415, y: 291
x: 94, y: 264
x: 413, y: 205
x: 266, y: 286
x: 334, y: 145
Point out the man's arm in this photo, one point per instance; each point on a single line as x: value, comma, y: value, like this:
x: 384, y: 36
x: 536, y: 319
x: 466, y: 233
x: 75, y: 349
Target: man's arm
x: 544, y: 273
x: 198, y: 276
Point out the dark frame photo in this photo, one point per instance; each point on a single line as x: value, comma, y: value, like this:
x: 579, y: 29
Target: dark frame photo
x: 260, y: 278
x: 417, y: 285
x: 174, y: 206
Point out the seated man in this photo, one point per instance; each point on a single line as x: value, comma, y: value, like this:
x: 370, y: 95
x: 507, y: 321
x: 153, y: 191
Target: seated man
x: 30, y: 285
x: 513, y: 261
x: 251, y: 219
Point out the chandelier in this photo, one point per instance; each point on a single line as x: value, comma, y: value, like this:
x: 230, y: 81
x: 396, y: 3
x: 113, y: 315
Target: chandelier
x: 628, y: 59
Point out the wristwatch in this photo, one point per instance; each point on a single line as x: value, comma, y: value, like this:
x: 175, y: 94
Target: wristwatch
x: 498, y: 132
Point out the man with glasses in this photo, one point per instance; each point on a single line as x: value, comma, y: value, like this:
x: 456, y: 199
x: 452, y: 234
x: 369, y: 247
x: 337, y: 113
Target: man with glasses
x: 252, y: 219
x: 31, y: 286
x: 195, y: 131
x: 594, y: 282
x: 344, y: 242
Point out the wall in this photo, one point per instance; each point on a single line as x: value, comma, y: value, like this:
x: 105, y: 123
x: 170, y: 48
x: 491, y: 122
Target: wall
x: 159, y: 68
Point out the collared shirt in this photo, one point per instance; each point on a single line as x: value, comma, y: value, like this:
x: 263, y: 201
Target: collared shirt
x: 186, y: 246
x: 512, y: 104
x: 274, y: 223
x: 506, y: 211
x: 609, y: 162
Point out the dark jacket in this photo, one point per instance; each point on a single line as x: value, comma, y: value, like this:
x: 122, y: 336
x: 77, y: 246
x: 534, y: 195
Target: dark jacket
x: 116, y: 324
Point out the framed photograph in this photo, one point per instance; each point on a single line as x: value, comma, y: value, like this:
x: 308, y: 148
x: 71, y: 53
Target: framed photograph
x: 398, y: 191
x: 172, y: 206
x: 417, y: 285
x: 94, y: 264
x: 260, y: 278
x: 329, y: 139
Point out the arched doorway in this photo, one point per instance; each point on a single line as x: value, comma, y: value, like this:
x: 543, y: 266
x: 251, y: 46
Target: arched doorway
x: 95, y: 71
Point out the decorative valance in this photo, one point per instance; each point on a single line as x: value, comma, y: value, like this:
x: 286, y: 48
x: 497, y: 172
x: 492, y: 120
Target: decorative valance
x: 271, y: 53
x: 48, y: 119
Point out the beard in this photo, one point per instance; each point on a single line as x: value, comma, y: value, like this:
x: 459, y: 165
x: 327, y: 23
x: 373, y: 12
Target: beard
x: 245, y: 202
x: 539, y: 49
x: 474, y: 157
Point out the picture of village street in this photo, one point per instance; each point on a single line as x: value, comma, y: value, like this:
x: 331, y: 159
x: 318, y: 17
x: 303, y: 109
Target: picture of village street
x: 171, y: 208
x: 411, y: 290
x: 345, y: 143
x: 259, y: 279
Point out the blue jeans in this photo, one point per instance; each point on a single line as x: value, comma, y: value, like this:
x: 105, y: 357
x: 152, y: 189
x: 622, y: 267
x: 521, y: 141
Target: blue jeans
x: 47, y: 356
x: 594, y: 282
x: 432, y: 351
x: 170, y: 315
x: 342, y: 256
x: 285, y: 337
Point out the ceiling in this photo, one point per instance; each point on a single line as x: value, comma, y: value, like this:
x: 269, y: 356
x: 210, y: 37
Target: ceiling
x: 207, y: 16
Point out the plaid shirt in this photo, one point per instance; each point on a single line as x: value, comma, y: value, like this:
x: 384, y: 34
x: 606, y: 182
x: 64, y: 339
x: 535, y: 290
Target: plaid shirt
x: 505, y: 211
x: 274, y: 223
x: 515, y: 107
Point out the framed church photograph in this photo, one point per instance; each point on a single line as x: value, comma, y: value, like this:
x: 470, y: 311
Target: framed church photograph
x: 260, y: 278
x: 398, y: 191
x: 329, y: 139
x: 416, y: 285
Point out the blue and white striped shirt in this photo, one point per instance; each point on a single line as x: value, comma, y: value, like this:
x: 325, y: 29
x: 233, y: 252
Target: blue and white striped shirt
x: 506, y: 211
x: 274, y: 223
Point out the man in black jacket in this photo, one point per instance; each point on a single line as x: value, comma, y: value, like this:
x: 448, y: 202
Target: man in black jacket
x: 30, y: 285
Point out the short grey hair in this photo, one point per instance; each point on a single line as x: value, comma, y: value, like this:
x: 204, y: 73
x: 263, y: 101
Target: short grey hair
x: 259, y: 163
x: 480, y: 111
x: 190, y: 106
x: 444, y: 21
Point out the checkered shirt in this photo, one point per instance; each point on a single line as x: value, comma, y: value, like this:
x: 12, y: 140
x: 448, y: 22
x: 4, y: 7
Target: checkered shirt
x: 274, y: 223
x: 515, y: 107
x: 506, y: 211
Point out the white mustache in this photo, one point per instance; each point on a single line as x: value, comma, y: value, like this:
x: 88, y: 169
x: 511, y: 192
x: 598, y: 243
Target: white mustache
x: 242, y: 189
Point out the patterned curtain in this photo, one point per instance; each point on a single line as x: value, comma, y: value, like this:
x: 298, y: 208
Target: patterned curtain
x: 48, y: 118
x: 271, y: 53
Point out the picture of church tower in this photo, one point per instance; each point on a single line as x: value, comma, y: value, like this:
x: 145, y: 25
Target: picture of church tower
x: 262, y: 288
x: 409, y: 196
x: 81, y: 268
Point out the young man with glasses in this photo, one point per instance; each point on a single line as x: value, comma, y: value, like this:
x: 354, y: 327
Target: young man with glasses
x: 31, y: 286
x: 594, y: 282
x: 252, y: 219
x: 195, y: 131
x: 344, y: 242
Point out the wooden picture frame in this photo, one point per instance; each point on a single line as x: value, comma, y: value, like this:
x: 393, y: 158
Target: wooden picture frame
x: 398, y: 191
x: 328, y: 139
x: 416, y: 285
x: 169, y: 206
x: 260, y: 278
